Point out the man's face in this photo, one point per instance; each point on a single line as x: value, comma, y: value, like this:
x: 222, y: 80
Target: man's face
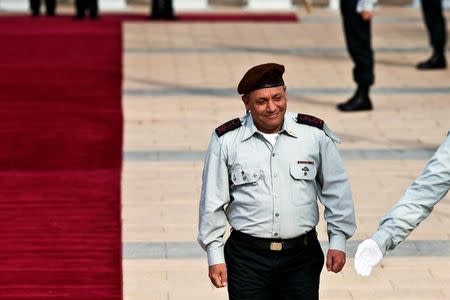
x: 267, y: 107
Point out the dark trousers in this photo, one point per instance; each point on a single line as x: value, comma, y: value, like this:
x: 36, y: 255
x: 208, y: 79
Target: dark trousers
x: 358, y: 37
x: 50, y: 7
x: 82, y: 5
x: 433, y: 17
x: 256, y: 274
x: 162, y: 9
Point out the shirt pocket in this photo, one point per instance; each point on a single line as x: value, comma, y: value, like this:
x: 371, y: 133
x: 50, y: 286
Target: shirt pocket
x: 247, y: 176
x: 303, y: 170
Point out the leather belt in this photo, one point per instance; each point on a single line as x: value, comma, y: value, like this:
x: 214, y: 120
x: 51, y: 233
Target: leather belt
x: 274, y: 244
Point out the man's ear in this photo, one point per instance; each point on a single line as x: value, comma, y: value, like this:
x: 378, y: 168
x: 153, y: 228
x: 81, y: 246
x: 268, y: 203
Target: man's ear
x: 246, y: 100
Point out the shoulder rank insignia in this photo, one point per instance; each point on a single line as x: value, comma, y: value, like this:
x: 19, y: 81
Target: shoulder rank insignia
x: 228, y: 126
x: 310, y: 120
x: 319, y: 123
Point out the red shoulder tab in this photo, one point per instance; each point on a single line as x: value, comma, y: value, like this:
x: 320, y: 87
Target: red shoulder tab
x: 310, y: 120
x: 228, y: 126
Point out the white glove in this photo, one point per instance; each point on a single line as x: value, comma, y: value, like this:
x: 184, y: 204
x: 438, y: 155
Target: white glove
x: 367, y: 256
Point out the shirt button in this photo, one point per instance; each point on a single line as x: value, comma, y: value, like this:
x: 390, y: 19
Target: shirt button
x: 275, y: 195
x: 273, y: 154
x: 275, y: 174
x: 275, y: 234
x: 277, y: 215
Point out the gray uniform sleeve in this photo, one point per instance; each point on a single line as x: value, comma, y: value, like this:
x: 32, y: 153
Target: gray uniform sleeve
x: 417, y: 202
x: 335, y: 195
x: 214, y: 196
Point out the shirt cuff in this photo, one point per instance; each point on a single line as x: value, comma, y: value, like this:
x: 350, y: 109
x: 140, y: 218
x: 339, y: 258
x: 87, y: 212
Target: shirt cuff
x: 383, y: 240
x: 338, y: 242
x: 365, y: 5
x: 215, y: 256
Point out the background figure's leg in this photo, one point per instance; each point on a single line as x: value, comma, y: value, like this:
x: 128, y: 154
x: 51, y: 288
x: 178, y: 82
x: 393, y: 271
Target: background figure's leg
x: 50, y: 6
x: 93, y: 9
x: 35, y: 6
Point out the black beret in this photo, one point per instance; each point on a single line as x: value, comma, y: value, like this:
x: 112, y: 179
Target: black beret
x: 261, y: 76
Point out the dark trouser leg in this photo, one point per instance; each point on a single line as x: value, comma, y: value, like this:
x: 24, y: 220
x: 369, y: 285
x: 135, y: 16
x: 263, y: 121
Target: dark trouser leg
x: 435, y: 23
x: 155, y: 14
x: 35, y: 6
x: 249, y: 272
x: 93, y: 8
x: 80, y: 7
x: 298, y: 273
x: 358, y: 38
x: 50, y: 7
x: 167, y: 9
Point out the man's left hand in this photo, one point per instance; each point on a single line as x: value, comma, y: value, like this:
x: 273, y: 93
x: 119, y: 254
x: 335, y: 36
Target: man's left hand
x: 366, y: 15
x: 335, y: 260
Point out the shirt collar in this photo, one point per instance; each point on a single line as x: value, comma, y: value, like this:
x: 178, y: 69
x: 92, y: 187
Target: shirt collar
x: 250, y: 128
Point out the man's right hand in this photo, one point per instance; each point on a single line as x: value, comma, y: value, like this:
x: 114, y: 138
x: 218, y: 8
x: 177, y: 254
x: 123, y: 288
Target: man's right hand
x: 218, y: 275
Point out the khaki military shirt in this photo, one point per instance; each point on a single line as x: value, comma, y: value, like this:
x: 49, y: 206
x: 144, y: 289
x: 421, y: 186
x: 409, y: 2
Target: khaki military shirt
x: 271, y: 191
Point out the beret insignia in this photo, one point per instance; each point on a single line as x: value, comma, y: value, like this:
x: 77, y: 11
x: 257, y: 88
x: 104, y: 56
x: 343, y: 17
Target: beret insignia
x: 310, y: 120
x: 228, y: 126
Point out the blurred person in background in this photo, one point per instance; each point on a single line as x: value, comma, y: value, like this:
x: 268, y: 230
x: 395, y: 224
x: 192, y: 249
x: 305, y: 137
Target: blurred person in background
x: 433, y: 16
x: 82, y: 5
x: 50, y: 7
x: 357, y: 22
x: 162, y: 9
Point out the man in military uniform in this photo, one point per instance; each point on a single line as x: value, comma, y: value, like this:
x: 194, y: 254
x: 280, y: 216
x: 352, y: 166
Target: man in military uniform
x: 263, y: 173
x: 415, y: 205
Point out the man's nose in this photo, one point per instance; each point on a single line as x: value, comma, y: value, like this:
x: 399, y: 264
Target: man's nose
x: 270, y: 105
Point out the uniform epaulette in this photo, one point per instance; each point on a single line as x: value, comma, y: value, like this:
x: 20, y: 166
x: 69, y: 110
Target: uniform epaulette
x: 310, y: 120
x: 228, y: 126
x: 318, y: 123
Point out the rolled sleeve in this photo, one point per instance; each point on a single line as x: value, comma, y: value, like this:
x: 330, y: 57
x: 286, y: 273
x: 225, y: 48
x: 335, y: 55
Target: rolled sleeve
x: 214, y: 196
x: 335, y: 195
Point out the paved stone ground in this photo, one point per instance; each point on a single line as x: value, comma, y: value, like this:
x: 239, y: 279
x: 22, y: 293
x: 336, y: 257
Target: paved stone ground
x: 179, y: 84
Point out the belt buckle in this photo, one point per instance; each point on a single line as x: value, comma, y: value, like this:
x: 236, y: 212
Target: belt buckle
x: 276, y: 246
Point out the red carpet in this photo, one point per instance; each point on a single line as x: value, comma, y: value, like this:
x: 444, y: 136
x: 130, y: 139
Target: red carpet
x: 196, y: 17
x: 60, y: 159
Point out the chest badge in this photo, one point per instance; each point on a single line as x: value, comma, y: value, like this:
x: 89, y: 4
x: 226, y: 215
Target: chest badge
x: 305, y: 170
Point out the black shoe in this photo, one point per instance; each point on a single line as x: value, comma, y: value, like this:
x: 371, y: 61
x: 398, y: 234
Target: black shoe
x: 360, y: 101
x: 435, y: 62
x: 78, y: 17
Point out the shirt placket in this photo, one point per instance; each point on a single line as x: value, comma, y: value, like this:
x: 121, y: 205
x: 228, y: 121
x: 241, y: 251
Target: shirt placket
x: 274, y: 173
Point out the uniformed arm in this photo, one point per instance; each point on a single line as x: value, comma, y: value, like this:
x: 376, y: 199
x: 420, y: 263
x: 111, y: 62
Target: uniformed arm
x: 335, y: 195
x: 214, y: 196
x: 417, y: 202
